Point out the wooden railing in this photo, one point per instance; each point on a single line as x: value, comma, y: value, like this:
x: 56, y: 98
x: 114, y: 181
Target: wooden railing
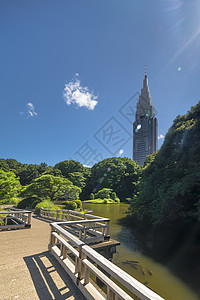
x: 86, y: 227
x: 81, y: 262
x: 19, y: 219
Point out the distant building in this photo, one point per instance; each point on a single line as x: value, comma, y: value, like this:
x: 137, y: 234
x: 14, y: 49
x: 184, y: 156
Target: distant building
x: 145, y: 127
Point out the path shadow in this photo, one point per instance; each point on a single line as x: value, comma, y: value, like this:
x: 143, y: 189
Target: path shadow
x: 37, y: 217
x: 50, y: 279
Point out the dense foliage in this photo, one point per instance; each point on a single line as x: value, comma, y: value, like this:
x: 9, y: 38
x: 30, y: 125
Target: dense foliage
x: 52, y: 188
x: 170, y: 186
x: 119, y: 174
x: 9, y: 186
x: 29, y: 202
x: 106, y: 193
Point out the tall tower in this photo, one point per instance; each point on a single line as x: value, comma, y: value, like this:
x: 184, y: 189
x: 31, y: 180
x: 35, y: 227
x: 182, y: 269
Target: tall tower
x: 145, y: 127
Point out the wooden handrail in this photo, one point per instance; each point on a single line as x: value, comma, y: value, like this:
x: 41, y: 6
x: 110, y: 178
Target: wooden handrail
x: 107, y: 281
x: 97, y: 231
x: 85, y: 258
x: 23, y: 218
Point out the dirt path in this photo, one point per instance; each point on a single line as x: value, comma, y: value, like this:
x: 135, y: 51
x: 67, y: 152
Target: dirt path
x: 28, y: 270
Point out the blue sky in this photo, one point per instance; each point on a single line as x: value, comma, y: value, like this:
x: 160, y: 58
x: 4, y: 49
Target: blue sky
x: 97, y: 49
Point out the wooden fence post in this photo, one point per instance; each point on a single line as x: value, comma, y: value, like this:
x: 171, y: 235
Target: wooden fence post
x: 107, y: 231
x: 57, y: 215
x: 81, y: 266
x: 29, y: 218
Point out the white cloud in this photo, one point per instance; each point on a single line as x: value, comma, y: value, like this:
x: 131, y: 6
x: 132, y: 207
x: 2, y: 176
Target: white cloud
x: 31, y: 110
x: 77, y: 94
x: 161, y: 136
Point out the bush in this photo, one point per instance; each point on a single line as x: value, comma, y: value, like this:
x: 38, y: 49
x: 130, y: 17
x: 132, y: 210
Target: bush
x: 128, y: 200
x: 29, y: 202
x: 65, y: 202
x: 45, y: 204
x: 70, y: 205
x: 91, y: 196
x: 113, y: 196
x: 79, y: 203
x: 104, y: 193
x: 117, y: 200
x: 105, y: 200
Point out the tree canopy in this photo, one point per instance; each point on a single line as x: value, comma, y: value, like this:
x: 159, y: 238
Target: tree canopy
x: 9, y: 185
x: 71, y: 166
x: 118, y: 174
x: 53, y: 188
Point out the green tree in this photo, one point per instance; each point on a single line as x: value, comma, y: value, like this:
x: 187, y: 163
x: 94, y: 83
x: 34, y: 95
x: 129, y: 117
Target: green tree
x: 9, y: 185
x: 113, y: 196
x: 92, y: 196
x: 170, y: 183
x: 10, y: 164
x: 71, y: 166
x: 77, y: 179
x: 52, y: 187
x: 53, y: 171
x: 104, y: 193
x: 28, y: 173
x: 118, y: 174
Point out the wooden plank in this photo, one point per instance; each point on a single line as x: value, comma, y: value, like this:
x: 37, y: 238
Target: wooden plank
x: 67, y: 235
x: 124, y: 278
x: 82, y: 222
x: 94, y: 239
x: 12, y: 226
x: 104, y: 244
x: 107, y: 281
x: 67, y: 265
x: 69, y: 247
x: 89, y: 291
x: 92, y: 216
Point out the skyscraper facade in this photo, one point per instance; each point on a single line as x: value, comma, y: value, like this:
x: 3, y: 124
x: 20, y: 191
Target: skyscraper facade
x: 145, y: 127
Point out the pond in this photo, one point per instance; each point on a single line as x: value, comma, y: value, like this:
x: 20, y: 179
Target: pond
x: 155, y: 275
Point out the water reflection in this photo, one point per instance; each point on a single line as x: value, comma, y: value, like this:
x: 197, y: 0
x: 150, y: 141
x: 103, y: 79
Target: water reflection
x: 130, y: 258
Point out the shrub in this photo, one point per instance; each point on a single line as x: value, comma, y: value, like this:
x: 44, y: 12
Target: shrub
x: 91, y: 196
x: 79, y: 203
x: 113, y: 196
x: 66, y: 202
x: 128, y: 200
x: 117, y: 200
x: 45, y: 204
x: 105, y: 200
x: 104, y: 193
x: 29, y: 202
x: 70, y: 205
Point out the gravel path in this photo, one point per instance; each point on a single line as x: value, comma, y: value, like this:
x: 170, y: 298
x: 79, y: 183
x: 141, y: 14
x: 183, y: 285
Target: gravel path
x: 28, y: 270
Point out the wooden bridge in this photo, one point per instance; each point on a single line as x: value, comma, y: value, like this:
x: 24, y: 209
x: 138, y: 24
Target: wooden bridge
x: 28, y: 271
x: 15, y: 218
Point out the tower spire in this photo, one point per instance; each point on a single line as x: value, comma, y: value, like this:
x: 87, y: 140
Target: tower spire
x: 145, y: 81
x: 145, y: 71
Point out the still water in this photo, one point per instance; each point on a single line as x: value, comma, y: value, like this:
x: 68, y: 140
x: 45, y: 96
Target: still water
x: 155, y: 275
